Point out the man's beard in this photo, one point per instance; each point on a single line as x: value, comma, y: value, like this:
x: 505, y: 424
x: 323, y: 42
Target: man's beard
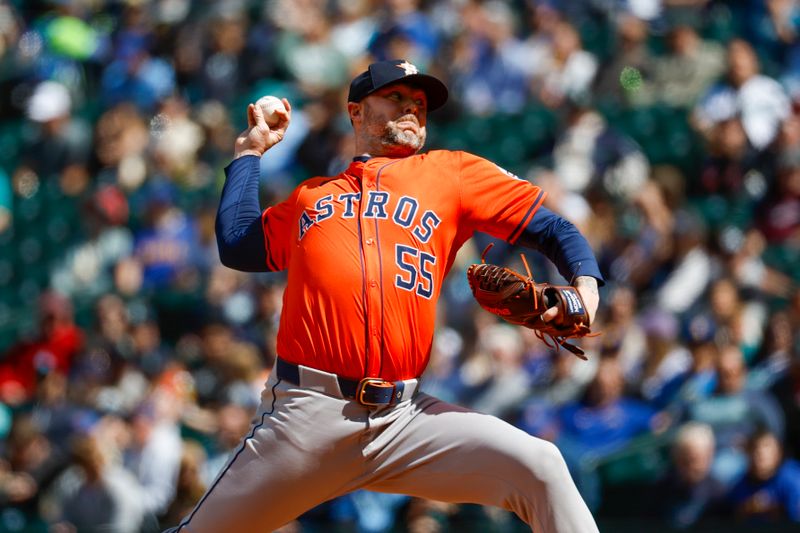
x: 394, y: 135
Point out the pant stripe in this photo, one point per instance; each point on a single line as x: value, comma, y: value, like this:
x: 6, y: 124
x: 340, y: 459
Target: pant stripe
x: 188, y: 519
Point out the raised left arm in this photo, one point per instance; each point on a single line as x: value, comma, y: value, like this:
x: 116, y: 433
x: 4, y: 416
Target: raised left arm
x: 561, y: 242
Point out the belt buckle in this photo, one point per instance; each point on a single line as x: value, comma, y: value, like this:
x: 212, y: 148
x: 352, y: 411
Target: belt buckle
x: 375, y: 382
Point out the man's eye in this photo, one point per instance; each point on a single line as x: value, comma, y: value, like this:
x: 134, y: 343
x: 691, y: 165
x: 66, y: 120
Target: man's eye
x: 420, y: 103
x: 394, y: 96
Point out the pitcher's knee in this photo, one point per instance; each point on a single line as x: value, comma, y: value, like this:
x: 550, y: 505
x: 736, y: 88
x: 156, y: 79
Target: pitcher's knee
x: 546, y: 463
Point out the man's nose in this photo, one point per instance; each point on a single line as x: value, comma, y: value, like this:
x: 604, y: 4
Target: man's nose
x: 411, y: 107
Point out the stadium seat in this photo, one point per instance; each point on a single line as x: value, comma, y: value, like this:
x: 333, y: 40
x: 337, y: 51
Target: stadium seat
x: 478, y: 130
x: 28, y: 210
x: 10, y: 141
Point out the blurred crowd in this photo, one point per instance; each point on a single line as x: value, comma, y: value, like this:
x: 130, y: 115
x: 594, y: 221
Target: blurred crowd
x: 668, y: 131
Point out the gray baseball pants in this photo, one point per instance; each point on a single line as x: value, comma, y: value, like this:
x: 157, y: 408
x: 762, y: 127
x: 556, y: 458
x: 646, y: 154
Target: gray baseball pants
x: 306, y: 447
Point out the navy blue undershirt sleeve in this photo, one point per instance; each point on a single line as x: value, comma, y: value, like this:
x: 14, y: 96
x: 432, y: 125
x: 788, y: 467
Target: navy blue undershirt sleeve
x: 240, y: 234
x: 561, y: 242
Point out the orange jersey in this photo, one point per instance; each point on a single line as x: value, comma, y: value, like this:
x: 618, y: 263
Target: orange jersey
x: 367, y: 251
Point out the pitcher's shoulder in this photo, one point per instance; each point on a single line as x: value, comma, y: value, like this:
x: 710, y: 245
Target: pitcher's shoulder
x: 442, y: 156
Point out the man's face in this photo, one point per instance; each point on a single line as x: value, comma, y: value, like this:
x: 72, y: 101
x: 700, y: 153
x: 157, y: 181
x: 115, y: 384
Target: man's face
x: 693, y: 461
x: 731, y: 371
x: 765, y: 457
x: 395, y: 116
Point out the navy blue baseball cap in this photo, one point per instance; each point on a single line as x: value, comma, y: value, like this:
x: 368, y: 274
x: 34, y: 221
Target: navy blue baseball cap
x: 385, y: 73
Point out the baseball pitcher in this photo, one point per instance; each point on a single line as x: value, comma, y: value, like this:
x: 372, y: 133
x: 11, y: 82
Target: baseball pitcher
x: 366, y: 253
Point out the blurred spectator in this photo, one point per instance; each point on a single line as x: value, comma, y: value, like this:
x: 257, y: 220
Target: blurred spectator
x: 688, y: 492
x: 442, y: 377
x: 688, y: 68
x: 568, y: 70
x: 698, y: 380
x: 371, y: 512
x: 10, y: 28
x: 95, y: 495
x: 176, y: 141
x: 738, y: 321
x: 568, y: 203
x: 666, y: 357
x: 224, y: 62
x: 759, y: 100
x: 779, y: 214
x: 732, y: 164
x: 622, y: 331
x: 232, y: 423
x: 166, y: 244
x: 58, y: 146
x: 632, y: 53
x: 244, y: 375
x: 790, y: 75
x: 231, y: 369
x: 109, y: 375
x: 85, y: 268
x: 642, y: 253
x: 545, y: 18
x: 563, y: 377
x: 53, y: 411
x: 218, y: 133
x: 488, y: 76
x: 320, y: 146
x: 747, y: 266
x: 602, y: 422
x: 30, y: 466
x: 154, y: 455
x: 306, y: 52
x: 190, y: 487
x: 775, y: 356
x: 509, y: 383
x: 692, y: 268
x: 773, y: 28
x: 770, y: 491
x: 563, y: 384
x: 135, y: 75
x: 592, y: 156
x: 263, y: 325
x: 52, y: 349
x: 149, y: 351
x: 354, y: 27
x: 405, y: 31
x: 121, y: 137
x: 787, y: 392
x: 735, y: 413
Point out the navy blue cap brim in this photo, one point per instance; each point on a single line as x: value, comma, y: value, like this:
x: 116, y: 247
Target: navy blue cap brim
x: 435, y: 90
x: 383, y: 74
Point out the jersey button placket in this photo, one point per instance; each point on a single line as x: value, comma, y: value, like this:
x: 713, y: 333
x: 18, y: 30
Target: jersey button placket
x: 372, y: 272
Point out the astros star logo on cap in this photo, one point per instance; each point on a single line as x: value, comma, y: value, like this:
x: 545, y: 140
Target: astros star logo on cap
x: 409, y: 68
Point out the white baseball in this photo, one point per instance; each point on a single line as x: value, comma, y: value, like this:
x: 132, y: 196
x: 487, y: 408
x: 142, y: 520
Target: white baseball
x: 269, y: 105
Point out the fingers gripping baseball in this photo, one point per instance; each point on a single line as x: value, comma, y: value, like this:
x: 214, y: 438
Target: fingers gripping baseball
x: 259, y: 135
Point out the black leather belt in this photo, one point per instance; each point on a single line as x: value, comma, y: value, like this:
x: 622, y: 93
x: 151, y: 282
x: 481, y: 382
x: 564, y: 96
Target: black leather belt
x: 370, y: 392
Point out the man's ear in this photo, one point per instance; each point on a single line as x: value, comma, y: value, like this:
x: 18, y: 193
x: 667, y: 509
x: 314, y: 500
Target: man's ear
x: 354, y: 110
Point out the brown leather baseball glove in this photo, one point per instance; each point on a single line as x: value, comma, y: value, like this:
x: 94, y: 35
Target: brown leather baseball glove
x: 520, y: 300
